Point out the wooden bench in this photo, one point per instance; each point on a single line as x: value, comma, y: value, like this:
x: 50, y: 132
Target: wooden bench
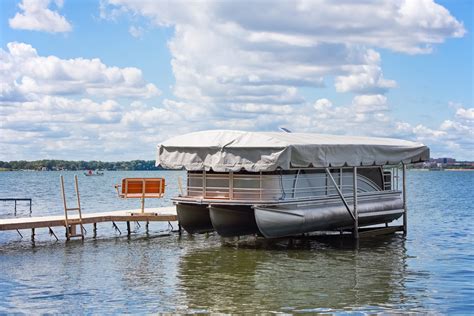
x: 141, y: 188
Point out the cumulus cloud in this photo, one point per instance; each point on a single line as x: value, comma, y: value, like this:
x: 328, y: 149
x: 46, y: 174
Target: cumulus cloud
x: 465, y: 114
x: 454, y: 137
x: 224, y: 54
x: 36, y: 16
x: 366, y: 78
x: 26, y: 75
x: 60, y: 127
x: 234, y: 67
x: 370, y: 103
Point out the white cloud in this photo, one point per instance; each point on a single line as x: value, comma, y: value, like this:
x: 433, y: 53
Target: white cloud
x: 234, y: 67
x: 322, y: 105
x: 25, y: 75
x: 136, y: 31
x: 224, y: 53
x: 367, y: 78
x: 60, y: 127
x: 370, y: 103
x: 466, y: 114
x: 36, y: 16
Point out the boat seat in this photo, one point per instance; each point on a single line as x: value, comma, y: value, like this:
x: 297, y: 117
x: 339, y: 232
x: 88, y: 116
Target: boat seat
x: 140, y: 188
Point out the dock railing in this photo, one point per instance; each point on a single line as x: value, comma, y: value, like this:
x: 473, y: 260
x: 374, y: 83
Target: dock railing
x: 16, y: 200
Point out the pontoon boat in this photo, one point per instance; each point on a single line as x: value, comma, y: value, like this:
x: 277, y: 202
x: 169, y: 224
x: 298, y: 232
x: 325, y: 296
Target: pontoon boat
x: 278, y: 184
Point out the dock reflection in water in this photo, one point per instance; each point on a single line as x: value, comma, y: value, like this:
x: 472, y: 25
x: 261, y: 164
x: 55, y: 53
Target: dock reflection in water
x: 284, y: 276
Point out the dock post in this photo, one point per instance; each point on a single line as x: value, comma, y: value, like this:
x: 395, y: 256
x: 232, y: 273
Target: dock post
x: 30, y: 206
x: 128, y: 228
x: 356, y: 215
x: 15, y: 207
x: 32, y: 234
x: 404, y: 183
x: 179, y: 228
x: 147, y: 225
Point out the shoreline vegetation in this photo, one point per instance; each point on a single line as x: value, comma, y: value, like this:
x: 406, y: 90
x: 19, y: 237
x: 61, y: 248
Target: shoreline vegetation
x: 146, y: 165
x: 55, y: 165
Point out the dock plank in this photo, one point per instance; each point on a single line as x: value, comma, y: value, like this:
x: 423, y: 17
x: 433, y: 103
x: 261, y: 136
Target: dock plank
x: 163, y: 214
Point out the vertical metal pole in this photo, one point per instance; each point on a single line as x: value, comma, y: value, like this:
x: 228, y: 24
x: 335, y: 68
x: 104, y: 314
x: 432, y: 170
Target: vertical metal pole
x: 231, y: 185
x: 340, y: 179
x: 180, y: 186
x: 204, y: 184
x: 326, y: 180
x: 356, y: 215
x: 128, y: 228
x: 404, y: 199
x: 15, y: 207
x: 30, y: 206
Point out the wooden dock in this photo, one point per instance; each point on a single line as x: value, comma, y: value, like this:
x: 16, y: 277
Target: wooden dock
x: 161, y: 214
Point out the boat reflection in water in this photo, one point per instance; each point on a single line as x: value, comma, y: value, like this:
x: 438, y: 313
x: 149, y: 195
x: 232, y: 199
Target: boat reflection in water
x: 283, y: 276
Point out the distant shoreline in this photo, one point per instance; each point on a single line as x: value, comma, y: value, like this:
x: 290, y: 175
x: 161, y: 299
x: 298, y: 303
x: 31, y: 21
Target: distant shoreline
x: 460, y: 169
x: 437, y: 170
x: 68, y: 165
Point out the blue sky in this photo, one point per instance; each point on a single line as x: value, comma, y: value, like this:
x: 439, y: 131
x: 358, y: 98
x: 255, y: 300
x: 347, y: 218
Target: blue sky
x: 110, y: 79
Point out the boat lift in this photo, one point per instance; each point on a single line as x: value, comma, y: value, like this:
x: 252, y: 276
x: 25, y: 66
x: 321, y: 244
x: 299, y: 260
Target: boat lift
x: 354, y: 214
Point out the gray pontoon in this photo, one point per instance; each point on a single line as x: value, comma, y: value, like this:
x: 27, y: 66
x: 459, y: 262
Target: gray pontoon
x: 281, y: 184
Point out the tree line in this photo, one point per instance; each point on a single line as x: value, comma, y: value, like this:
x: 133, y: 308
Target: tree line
x: 78, y: 165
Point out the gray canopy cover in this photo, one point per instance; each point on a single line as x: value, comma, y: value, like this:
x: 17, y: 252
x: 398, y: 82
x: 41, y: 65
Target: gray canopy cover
x: 226, y: 150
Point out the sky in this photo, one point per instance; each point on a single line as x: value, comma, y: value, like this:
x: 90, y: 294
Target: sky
x: 111, y: 79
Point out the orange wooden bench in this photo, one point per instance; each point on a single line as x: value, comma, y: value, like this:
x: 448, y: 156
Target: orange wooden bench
x: 141, y: 188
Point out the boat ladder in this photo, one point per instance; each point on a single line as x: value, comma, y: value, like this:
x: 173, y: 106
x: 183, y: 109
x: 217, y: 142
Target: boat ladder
x: 72, y: 223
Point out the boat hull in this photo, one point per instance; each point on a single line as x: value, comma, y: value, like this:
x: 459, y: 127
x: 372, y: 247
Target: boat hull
x: 280, y: 221
x: 287, y: 219
x: 231, y: 221
x: 194, y: 218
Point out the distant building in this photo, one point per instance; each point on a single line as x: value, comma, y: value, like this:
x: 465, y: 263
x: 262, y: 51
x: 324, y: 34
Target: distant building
x: 445, y: 161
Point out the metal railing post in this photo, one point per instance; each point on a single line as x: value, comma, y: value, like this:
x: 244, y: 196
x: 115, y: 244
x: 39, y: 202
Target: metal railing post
x: 356, y: 215
x: 204, y: 184
x: 405, y: 221
x: 231, y: 185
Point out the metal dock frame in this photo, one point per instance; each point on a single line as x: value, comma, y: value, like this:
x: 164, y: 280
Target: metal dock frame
x: 16, y: 200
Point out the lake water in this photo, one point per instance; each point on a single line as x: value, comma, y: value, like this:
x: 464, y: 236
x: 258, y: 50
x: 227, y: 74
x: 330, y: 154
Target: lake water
x: 431, y: 270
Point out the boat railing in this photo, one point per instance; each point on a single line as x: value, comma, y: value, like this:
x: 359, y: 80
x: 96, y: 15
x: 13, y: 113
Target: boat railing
x: 293, y: 186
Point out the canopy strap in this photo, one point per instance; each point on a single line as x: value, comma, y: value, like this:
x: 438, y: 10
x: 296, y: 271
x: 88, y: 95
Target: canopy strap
x: 340, y: 193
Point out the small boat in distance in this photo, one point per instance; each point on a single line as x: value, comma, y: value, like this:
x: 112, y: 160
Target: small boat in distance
x: 276, y: 184
x: 91, y: 173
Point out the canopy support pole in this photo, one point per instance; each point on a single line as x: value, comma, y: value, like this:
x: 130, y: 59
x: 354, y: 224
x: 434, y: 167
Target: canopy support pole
x: 405, y: 221
x: 340, y: 193
x: 356, y: 215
